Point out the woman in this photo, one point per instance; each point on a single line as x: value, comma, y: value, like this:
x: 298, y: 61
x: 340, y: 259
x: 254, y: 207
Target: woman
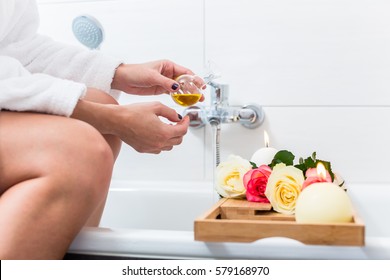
x: 61, y: 130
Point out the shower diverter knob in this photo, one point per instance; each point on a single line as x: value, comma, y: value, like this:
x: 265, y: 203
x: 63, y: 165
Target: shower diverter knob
x: 251, y: 116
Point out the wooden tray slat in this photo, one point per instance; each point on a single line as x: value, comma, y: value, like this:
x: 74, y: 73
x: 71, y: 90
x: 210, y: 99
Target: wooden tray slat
x: 232, y: 220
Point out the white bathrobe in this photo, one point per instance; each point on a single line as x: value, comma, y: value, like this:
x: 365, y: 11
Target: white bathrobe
x: 39, y: 74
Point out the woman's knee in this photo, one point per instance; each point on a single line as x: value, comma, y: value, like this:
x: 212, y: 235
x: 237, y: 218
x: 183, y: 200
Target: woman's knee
x: 72, y: 155
x: 85, y: 159
x: 71, y: 158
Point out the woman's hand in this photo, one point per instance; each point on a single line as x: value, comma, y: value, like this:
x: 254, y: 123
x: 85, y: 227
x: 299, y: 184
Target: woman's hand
x: 139, y: 125
x: 150, y: 78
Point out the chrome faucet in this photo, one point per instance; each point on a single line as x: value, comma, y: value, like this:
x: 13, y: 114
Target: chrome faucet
x: 250, y: 116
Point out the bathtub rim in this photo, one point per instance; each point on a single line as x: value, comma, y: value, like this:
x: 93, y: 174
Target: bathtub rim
x: 165, y: 244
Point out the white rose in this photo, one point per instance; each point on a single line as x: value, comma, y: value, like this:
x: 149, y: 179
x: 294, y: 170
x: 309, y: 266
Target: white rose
x: 283, y: 188
x: 229, y: 177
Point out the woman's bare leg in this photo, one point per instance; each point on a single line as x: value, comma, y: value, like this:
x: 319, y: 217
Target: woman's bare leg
x: 114, y: 142
x: 101, y: 97
x: 54, y: 171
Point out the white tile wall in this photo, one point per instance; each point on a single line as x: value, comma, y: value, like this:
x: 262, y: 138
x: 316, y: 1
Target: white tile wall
x: 320, y: 68
x: 302, y: 52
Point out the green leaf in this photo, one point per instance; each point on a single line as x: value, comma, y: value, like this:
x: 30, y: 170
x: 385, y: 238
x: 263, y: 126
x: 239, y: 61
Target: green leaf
x: 254, y: 166
x: 287, y: 158
x: 305, y: 164
x: 283, y: 156
x: 302, y: 167
x: 311, y: 162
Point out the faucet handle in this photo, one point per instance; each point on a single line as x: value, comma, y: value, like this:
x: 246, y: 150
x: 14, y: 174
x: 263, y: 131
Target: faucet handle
x: 196, y: 115
x: 251, y: 116
x: 210, y: 77
x: 219, y: 93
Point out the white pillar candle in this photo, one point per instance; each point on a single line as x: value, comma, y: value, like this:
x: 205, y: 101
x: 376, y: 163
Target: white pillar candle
x: 264, y: 155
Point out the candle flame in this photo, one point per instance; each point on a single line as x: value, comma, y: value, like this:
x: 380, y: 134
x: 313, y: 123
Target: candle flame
x: 321, y: 170
x: 266, y: 139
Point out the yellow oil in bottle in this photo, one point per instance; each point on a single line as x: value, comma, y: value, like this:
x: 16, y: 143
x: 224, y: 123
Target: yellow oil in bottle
x: 186, y: 99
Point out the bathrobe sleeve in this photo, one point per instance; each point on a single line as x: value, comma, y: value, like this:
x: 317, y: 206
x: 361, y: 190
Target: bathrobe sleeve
x: 22, y: 91
x: 40, y: 73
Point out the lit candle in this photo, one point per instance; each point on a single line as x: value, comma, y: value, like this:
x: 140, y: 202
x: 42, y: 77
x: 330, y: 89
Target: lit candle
x: 321, y: 171
x: 264, y: 155
x: 323, y: 201
x: 316, y: 175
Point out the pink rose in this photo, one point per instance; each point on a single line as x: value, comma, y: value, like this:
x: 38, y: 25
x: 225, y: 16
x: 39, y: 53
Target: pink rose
x: 312, y: 177
x: 255, y: 182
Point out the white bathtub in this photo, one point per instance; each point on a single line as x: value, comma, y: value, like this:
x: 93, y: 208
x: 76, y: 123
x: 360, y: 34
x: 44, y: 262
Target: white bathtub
x: 154, y: 220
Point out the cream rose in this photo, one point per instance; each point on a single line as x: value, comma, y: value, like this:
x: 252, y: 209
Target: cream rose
x: 283, y: 188
x: 229, y: 177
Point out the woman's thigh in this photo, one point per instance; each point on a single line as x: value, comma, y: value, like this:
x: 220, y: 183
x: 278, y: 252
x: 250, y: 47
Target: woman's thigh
x: 54, y: 173
x: 33, y: 145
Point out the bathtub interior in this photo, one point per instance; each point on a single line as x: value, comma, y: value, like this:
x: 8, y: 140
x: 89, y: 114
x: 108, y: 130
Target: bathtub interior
x: 157, y: 205
x: 173, y: 206
x: 155, y: 220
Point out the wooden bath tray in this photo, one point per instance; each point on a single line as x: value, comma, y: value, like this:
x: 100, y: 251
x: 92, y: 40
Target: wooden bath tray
x: 234, y: 220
